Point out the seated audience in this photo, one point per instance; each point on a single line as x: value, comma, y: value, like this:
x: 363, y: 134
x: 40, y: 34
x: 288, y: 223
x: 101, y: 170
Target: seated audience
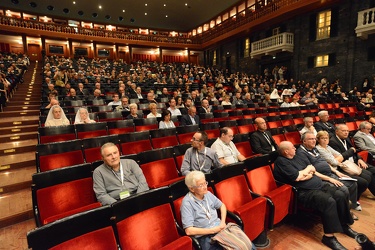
x: 134, y: 112
x: 56, y: 117
x: 225, y: 149
x: 166, y: 121
x: 323, y: 123
x: 261, y: 140
x: 363, y: 139
x: 124, y: 104
x: 173, y: 108
x: 117, y: 179
x: 316, y: 194
x: 309, y: 126
x: 199, y: 157
x: 116, y: 100
x: 191, y: 118
x: 154, y: 111
x: 82, y: 117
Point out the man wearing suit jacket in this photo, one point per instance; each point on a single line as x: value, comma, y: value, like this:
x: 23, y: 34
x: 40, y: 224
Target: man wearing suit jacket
x: 363, y: 139
x: 323, y: 123
x: 191, y: 118
x: 261, y: 140
x: 341, y: 143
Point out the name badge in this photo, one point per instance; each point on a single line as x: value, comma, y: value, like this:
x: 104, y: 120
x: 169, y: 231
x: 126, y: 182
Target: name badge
x: 124, y: 194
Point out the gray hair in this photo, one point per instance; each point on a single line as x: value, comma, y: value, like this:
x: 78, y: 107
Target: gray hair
x: 107, y: 145
x: 363, y: 124
x: 307, y: 117
x: 133, y: 105
x: 323, y: 112
x: 338, y: 126
x: 192, y: 177
x: 303, y: 136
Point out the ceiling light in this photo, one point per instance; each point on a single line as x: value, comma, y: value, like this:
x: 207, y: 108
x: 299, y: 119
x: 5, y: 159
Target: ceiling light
x: 100, y: 6
x: 146, y: 14
x: 74, y: 2
x: 66, y: 10
x: 33, y: 4
x: 80, y: 13
x: 146, y: 4
x: 94, y: 14
x: 165, y: 5
x: 50, y: 7
x: 123, y: 10
x: 166, y: 15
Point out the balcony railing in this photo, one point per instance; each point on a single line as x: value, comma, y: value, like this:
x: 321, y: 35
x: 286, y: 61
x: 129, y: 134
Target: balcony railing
x: 272, y: 45
x: 365, y: 23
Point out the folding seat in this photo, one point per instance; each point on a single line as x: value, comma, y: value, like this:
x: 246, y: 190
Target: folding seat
x: 274, y: 124
x: 143, y: 106
x: 217, y: 108
x: 91, y: 146
x: 273, y: 118
x: 79, y: 231
x: 62, y: 192
x: 241, y: 106
x: 96, y: 102
x: 245, y: 126
x: 206, y: 117
x: 159, y: 167
x: 179, y: 153
x: 287, y: 122
x: 103, y: 108
x: 298, y: 115
x: 262, y: 182
x: 58, y: 154
x: 145, y: 221
x: 212, y: 129
x: 134, y: 143
x: 293, y: 137
x: 278, y: 138
x: 230, y: 124
x: 298, y: 121
x: 276, y: 131
x: 90, y: 130
x: 322, y: 106
x: 77, y: 103
x: 109, y: 116
x: 185, y: 133
x: 231, y: 188
x: 120, y: 127
x: 221, y: 116
x: 56, y: 134
x: 145, y: 124
x: 235, y: 114
x: 243, y: 145
x: 352, y: 126
x: 162, y: 138
x: 249, y: 111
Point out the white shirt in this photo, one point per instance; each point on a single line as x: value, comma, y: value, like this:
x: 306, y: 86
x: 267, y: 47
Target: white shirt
x: 227, y: 151
x: 175, y: 111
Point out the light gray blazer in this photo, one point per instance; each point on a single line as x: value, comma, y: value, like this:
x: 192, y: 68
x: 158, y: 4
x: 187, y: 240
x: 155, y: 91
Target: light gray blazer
x: 363, y: 142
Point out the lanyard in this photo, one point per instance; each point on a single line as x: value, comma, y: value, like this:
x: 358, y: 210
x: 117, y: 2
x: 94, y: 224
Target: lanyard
x: 204, y: 161
x: 121, y: 175
x: 206, y: 211
x: 311, y: 153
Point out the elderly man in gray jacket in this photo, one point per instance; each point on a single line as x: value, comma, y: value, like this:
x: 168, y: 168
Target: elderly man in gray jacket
x: 363, y: 139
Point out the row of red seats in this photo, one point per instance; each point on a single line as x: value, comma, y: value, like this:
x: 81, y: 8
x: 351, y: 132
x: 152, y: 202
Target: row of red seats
x: 62, y: 192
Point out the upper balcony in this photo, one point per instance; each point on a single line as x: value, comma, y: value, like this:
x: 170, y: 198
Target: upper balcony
x: 365, y: 23
x: 272, y: 45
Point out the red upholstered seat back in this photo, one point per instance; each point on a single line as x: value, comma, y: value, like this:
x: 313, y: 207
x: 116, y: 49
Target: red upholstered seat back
x: 261, y: 180
x: 56, y: 138
x: 103, y: 238
x: 93, y: 154
x: 179, y: 160
x: 244, y: 129
x: 159, y: 171
x: 113, y: 131
x: 245, y: 148
x: 185, y: 138
x: 135, y: 147
x: 149, y: 229
x: 53, y: 161
x: 146, y: 127
x: 65, y: 197
x: 234, y: 192
x: 91, y: 134
x: 177, y: 208
x: 164, y: 142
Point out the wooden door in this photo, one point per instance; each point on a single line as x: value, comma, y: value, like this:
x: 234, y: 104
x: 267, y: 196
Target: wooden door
x: 33, y: 51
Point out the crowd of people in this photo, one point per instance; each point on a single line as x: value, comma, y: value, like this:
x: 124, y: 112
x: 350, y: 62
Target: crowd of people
x: 316, y: 168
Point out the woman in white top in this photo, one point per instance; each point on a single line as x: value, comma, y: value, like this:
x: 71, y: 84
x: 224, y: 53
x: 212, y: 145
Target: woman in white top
x: 226, y: 100
x: 166, y: 121
x: 56, y: 117
x: 154, y: 111
x: 82, y: 117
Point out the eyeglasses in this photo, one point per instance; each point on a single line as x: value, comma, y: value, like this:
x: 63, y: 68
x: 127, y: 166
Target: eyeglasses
x: 202, y: 185
x: 193, y: 139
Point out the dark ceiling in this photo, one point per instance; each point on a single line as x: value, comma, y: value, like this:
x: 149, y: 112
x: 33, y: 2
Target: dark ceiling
x: 173, y: 15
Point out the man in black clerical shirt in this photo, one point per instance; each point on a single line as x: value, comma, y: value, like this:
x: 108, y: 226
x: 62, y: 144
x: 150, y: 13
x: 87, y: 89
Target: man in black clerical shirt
x: 261, y: 140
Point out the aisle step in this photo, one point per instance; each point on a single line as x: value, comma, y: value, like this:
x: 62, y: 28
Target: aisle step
x: 17, y: 161
x: 18, y: 137
x: 10, y: 148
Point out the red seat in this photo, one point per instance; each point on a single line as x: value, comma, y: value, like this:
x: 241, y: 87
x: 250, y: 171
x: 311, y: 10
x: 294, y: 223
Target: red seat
x: 243, y: 145
x: 179, y: 152
x: 62, y: 192
x: 91, y: 130
x: 58, y: 154
x: 212, y: 129
x: 278, y: 138
x: 162, y: 138
x: 79, y: 232
x: 56, y: 134
x: 145, y: 124
x: 159, y: 167
x: 134, y: 143
x: 120, y: 127
x: 231, y: 188
x: 293, y: 137
x: 262, y: 182
x: 274, y: 124
x: 146, y: 221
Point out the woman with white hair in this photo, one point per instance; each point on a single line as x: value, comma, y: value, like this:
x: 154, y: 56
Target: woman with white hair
x: 82, y: 117
x: 56, y: 117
